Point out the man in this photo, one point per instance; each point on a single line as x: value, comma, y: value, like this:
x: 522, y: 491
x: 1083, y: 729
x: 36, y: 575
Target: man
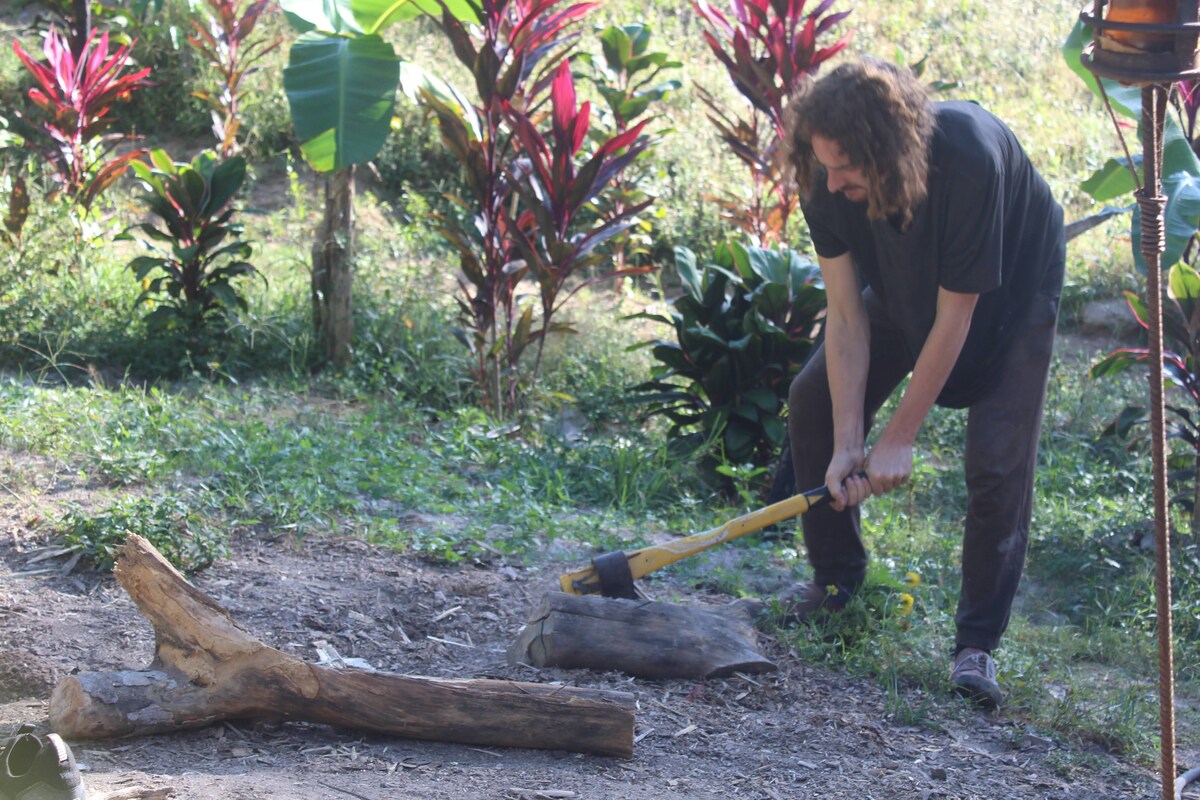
x: 942, y: 253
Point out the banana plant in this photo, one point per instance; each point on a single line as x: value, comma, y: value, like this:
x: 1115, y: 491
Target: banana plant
x: 341, y: 82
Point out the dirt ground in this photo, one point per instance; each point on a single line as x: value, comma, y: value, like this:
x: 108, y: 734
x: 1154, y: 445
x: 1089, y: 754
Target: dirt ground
x: 801, y: 732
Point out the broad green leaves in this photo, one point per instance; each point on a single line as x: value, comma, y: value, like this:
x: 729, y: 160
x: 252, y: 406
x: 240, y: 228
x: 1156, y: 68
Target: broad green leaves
x: 743, y: 326
x: 362, y: 17
x: 1180, y: 169
x: 342, y: 92
x: 342, y: 75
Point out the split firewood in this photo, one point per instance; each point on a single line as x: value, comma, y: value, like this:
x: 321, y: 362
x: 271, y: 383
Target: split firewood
x: 643, y: 638
x: 207, y: 668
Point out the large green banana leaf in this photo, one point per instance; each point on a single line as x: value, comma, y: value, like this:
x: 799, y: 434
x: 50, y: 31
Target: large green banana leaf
x: 363, y: 17
x: 341, y: 92
x: 341, y: 77
x: 1180, y: 169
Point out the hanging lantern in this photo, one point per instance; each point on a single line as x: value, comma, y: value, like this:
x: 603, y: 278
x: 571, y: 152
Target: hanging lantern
x: 1143, y: 41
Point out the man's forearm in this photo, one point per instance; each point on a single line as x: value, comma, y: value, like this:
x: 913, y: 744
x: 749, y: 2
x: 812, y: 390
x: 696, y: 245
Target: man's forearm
x: 847, y: 343
x: 934, y: 365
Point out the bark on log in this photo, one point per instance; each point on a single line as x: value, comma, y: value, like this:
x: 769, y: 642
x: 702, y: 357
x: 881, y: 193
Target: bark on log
x: 208, y: 668
x: 639, y: 637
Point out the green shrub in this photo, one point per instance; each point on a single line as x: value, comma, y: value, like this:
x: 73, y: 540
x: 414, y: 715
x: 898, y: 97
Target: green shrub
x: 168, y: 524
x: 197, y: 254
x: 743, y: 326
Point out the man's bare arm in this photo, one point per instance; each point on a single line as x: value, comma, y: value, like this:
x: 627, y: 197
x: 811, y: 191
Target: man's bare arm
x: 889, y: 464
x: 847, y: 352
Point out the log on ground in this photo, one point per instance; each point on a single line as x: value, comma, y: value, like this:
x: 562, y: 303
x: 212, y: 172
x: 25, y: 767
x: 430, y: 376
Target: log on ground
x: 208, y: 668
x: 644, y: 638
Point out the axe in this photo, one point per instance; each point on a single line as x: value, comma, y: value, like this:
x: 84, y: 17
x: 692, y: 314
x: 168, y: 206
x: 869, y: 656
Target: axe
x: 613, y: 574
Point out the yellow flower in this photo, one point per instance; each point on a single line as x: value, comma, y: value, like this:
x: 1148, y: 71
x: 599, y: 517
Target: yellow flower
x: 912, y: 580
x: 906, y: 603
x: 831, y: 590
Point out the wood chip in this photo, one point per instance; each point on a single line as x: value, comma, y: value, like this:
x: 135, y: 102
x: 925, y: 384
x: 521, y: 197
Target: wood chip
x: 137, y: 793
x: 643, y: 735
x: 683, y: 731
x: 449, y: 612
x: 487, y: 752
x: 52, y: 552
x: 450, y: 641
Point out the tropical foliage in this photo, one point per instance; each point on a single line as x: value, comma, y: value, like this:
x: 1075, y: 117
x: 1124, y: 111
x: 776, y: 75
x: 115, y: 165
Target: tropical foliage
x: 226, y: 41
x: 517, y: 53
x: 743, y: 326
x: 767, y: 47
x: 1181, y: 301
x: 74, y: 97
x: 628, y: 76
x: 197, y: 252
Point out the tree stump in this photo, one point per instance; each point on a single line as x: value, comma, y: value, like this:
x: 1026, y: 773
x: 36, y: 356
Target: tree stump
x: 643, y: 638
x: 208, y: 668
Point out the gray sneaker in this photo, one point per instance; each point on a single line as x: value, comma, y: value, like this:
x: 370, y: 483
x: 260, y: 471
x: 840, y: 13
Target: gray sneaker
x: 974, y: 677
x: 38, y: 768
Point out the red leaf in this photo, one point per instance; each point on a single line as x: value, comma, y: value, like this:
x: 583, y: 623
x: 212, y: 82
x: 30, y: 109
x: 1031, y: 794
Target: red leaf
x: 581, y: 126
x: 562, y: 96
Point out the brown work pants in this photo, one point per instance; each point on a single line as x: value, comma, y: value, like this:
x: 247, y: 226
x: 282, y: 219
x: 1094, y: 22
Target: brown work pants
x: 1001, y: 455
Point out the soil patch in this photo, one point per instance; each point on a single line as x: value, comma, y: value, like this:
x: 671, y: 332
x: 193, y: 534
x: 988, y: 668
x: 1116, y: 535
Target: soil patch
x: 801, y: 732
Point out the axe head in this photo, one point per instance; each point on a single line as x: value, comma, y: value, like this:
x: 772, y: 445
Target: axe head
x: 612, y: 570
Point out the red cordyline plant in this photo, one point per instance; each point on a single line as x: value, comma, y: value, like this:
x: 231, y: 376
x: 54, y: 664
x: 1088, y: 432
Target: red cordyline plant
x: 504, y: 52
x: 227, y: 46
x: 767, y: 47
x: 75, y: 96
x: 553, y: 193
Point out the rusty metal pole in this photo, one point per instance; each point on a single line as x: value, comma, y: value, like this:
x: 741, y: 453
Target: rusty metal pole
x: 1152, y: 204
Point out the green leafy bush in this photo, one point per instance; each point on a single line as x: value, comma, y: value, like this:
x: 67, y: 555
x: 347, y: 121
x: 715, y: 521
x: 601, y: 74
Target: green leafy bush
x: 1181, y: 370
x: 168, y: 524
x: 743, y: 326
x: 197, y: 252
x: 628, y: 78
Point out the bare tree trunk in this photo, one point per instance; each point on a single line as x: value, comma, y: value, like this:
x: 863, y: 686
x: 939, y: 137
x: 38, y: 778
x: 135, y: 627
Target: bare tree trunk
x: 333, y: 269
x: 81, y: 26
x: 208, y: 668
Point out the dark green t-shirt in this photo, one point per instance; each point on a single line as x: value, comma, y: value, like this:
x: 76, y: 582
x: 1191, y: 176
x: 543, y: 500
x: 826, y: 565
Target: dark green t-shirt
x: 989, y: 226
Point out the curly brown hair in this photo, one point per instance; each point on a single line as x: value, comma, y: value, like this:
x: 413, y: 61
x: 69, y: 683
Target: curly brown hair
x: 882, y: 118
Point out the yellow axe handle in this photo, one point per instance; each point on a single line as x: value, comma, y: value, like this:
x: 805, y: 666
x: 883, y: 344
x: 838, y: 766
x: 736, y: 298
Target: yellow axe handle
x: 648, y: 559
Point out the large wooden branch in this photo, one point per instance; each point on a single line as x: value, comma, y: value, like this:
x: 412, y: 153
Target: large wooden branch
x: 207, y: 668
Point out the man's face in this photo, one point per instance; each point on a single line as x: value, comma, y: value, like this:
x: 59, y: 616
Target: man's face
x: 841, y: 175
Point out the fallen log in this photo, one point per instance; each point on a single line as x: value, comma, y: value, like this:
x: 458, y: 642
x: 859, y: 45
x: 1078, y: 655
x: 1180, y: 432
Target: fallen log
x: 208, y: 668
x: 643, y: 638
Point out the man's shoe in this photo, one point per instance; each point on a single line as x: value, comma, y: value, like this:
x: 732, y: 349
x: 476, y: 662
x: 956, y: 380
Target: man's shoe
x: 804, y: 600
x: 974, y: 677
x: 38, y: 768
